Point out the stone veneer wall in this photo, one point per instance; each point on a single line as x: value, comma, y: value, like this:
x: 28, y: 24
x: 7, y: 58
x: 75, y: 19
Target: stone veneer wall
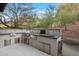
x: 44, y: 44
x: 7, y: 38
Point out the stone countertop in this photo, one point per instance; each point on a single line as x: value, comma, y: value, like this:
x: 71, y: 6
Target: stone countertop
x: 43, y: 35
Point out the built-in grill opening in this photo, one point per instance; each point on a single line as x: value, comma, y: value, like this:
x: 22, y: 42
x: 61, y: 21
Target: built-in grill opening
x: 42, y: 31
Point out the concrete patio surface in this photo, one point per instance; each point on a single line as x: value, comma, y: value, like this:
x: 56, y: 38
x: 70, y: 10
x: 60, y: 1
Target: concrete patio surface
x: 21, y: 50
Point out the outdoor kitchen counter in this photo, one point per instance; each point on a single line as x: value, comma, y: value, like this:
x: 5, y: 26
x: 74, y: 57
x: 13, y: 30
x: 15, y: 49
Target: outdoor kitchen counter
x: 44, y: 43
x: 43, y: 35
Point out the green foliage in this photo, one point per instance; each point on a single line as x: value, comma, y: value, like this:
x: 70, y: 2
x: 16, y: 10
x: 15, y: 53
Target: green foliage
x: 14, y: 12
x: 48, y: 20
x: 22, y: 17
x: 67, y: 14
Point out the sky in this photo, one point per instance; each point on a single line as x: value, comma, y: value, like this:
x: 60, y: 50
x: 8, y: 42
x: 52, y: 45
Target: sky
x: 41, y: 7
x: 44, y: 6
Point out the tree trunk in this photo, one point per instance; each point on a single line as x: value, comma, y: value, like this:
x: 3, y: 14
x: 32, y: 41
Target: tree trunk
x: 4, y: 23
x: 65, y: 26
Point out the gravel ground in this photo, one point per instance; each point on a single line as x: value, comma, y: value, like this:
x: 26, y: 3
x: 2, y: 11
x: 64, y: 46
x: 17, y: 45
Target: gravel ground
x: 21, y: 50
